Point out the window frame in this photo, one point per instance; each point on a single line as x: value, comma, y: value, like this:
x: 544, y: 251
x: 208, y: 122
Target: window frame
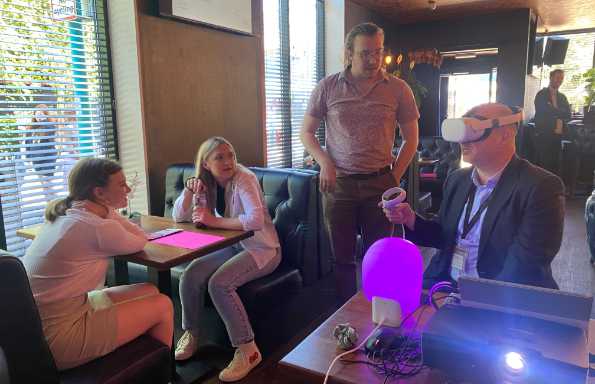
x: 106, y: 126
x: 281, y: 154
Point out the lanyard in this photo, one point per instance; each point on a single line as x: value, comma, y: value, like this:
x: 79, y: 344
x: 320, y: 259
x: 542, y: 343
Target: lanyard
x: 467, y: 225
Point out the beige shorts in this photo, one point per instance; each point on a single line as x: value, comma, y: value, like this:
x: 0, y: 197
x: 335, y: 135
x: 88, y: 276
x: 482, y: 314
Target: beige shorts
x: 80, y: 329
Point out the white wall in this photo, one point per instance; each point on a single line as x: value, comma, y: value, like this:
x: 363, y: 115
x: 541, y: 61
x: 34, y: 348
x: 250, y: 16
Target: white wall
x: 334, y: 35
x: 129, y: 116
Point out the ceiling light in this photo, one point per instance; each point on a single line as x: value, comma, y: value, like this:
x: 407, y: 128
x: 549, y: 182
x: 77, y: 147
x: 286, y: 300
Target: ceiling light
x: 467, y: 56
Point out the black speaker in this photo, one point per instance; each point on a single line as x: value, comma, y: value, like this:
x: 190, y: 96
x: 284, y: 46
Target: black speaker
x: 555, y: 50
x: 538, y: 52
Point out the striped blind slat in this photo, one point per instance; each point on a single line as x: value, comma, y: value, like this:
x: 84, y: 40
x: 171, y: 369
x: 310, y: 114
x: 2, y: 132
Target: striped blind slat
x: 55, y: 105
x: 292, y: 34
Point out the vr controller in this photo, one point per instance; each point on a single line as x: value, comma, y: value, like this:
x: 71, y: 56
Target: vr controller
x: 393, y: 196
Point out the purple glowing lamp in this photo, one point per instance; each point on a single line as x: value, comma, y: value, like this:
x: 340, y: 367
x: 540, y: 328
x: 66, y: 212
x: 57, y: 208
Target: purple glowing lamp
x: 393, y: 269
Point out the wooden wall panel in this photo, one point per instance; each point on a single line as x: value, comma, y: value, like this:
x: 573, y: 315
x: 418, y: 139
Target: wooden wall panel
x: 197, y: 82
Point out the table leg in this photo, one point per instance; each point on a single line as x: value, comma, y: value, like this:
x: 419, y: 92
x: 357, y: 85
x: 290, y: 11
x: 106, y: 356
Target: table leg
x: 121, y: 272
x: 163, y: 280
x: 118, y: 273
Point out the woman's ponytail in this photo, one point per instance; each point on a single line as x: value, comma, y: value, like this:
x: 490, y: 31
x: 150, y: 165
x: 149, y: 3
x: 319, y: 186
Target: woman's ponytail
x: 57, y: 208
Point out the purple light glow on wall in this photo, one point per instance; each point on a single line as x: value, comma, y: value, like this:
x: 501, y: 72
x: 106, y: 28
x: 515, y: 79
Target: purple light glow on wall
x: 393, y: 268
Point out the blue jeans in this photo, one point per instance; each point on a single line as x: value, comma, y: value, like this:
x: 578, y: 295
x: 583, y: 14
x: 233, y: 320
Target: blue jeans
x: 222, y: 273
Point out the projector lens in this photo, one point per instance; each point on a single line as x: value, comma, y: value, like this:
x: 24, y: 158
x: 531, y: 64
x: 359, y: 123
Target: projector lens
x: 514, y: 362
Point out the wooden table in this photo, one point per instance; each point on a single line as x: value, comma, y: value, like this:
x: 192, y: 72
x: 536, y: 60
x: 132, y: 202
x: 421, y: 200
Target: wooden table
x: 308, y: 362
x: 158, y: 258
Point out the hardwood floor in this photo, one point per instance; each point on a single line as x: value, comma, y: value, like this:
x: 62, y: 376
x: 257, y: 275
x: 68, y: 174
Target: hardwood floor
x: 571, y: 267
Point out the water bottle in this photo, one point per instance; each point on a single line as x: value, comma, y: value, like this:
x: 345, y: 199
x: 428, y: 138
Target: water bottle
x: 200, y: 201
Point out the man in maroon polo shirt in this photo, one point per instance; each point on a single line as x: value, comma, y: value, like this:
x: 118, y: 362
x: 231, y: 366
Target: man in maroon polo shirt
x: 361, y: 107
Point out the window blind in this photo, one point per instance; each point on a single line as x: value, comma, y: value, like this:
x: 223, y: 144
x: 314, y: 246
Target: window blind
x: 55, y: 103
x: 294, y: 62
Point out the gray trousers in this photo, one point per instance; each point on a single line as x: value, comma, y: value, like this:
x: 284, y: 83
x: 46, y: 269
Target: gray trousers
x: 221, y: 273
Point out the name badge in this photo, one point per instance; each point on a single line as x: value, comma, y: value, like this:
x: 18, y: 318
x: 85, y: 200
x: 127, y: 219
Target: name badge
x: 459, y: 258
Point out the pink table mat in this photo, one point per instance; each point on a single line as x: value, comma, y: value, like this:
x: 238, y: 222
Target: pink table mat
x: 188, y: 240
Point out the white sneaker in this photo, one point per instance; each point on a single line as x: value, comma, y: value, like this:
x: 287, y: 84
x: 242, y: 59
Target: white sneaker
x: 246, y: 357
x: 186, y: 347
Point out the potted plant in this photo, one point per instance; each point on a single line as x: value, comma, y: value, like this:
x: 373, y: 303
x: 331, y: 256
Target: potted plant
x: 589, y: 78
x: 419, y: 90
x: 133, y: 183
x: 404, y: 69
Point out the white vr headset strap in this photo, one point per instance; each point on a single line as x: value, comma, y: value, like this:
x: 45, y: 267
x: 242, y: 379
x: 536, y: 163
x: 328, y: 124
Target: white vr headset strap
x: 481, y: 125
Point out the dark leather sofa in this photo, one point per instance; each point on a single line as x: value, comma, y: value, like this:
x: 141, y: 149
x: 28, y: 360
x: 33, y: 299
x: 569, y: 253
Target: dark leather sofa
x: 448, y: 156
x: 590, y: 219
x: 29, y: 359
x: 4, y: 379
x: 291, y: 196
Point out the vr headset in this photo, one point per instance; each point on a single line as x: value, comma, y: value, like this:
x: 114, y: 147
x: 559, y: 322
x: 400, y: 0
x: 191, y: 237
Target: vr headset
x: 471, y: 129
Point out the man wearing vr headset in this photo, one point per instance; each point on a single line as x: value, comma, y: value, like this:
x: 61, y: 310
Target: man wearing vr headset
x: 361, y: 107
x: 500, y: 219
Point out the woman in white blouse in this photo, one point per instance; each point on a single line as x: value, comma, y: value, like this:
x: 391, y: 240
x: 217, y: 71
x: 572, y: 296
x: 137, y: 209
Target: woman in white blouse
x: 234, y: 200
x: 67, y: 264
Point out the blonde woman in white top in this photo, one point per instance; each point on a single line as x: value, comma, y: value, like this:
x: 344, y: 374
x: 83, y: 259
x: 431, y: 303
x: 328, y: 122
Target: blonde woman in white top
x: 234, y: 193
x: 67, y: 263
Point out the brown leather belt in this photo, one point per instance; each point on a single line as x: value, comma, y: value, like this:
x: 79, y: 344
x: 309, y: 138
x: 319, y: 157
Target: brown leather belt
x: 364, y: 176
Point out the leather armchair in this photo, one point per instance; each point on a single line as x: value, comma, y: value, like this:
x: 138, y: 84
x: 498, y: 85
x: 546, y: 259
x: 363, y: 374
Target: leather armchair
x: 3, y: 368
x: 448, y: 156
x: 28, y: 356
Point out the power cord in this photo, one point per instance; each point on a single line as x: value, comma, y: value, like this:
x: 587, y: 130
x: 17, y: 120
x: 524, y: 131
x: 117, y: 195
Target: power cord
x: 328, y: 371
x: 407, y: 359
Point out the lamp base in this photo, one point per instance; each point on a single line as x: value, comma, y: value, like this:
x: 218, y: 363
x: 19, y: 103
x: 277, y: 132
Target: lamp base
x: 386, y: 311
